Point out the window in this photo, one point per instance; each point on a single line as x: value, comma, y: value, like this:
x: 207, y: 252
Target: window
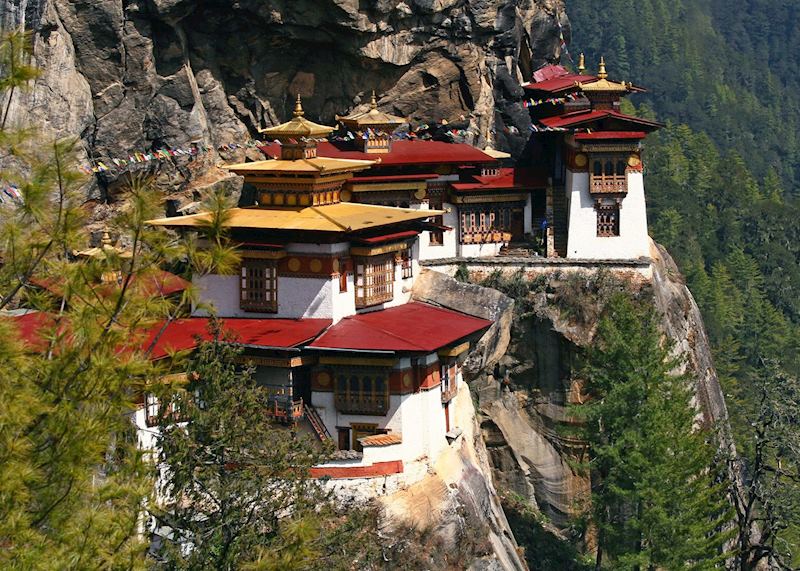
x: 151, y: 409
x: 406, y: 263
x: 374, y: 280
x: 436, y: 202
x: 607, y: 220
x: 362, y: 391
x: 488, y: 224
x: 608, y: 176
x: 343, y: 273
x: 449, y: 375
x: 259, y: 286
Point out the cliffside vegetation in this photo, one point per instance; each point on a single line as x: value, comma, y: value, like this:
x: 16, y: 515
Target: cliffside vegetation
x: 723, y: 179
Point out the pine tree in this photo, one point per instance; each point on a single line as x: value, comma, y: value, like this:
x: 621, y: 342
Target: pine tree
x: 654, y: 499
x: 237, y: 487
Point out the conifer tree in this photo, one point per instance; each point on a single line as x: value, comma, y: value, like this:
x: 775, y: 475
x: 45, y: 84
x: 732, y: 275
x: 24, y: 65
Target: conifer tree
x: 237, y: 487
x: 654, y: 500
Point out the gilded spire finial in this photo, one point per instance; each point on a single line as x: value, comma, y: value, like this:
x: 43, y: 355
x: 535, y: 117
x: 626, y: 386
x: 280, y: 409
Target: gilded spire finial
x: 602, y: 74
x: 106, y: 239
x: 373, y: 104
x: 581, y: 64
x: 298, y: 107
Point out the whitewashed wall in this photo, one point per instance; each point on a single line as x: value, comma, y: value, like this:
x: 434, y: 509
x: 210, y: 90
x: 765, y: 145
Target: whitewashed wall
x: 583, y: 242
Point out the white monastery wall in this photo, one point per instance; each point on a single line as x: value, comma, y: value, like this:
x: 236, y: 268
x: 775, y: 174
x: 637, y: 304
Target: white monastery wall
x: 450, y: 243
x: 297, y: 297
x: 583, y: 241
x: 324, y: 403
x: 479, y: 250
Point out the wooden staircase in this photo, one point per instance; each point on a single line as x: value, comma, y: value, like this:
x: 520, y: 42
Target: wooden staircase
x: 316, y: 423
x: 560, y: 221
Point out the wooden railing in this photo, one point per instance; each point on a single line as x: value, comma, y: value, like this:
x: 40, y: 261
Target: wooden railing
x: 614, y: 184
x: 487, y: 237
x: 362, y: 404
x: 285, y: 409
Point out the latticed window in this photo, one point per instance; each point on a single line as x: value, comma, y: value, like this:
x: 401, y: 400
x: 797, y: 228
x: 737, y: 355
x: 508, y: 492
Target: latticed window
x: 374, y: 280
x: 608, y: 175
x: 406, y: 263
x: 436, y: 203
x: 362, y: 391
x: 259, y: 286
x: 607, y: 220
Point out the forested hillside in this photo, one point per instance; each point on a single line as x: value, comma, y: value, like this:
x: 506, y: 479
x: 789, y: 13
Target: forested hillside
x: 723, y: 178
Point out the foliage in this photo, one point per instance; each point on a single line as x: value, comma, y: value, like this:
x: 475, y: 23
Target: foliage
x: 654, y: 502
x: 768, y: 509
x: 234, y: 481
x: 723, y: 178
x: 72, y: 481
x: 544, y: 548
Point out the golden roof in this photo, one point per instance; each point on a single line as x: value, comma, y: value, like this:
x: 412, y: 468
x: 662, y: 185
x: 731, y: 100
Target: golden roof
x: 105, y: 250
x: 317, y: 165
x: 342, y: 217
x: 299, y: 126
x: 603, y: 85
x: 373, y: 117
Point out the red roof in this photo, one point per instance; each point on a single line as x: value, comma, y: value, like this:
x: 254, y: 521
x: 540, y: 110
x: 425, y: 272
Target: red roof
x: 152, y: 282
x: 394, y: 177
x: 508, y: 178
x: 415, y: 152
x: 582, y: 117
x: 554, y: 78
x: 162, y: 283
x: 31, y: 326
x: 610, y: 135
x: 549, y: 72
x: 413, y: 327
x: 183, y: 334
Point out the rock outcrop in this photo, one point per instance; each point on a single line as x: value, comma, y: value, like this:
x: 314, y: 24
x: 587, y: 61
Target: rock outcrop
x: 134, y: 75
x: 523, y: 393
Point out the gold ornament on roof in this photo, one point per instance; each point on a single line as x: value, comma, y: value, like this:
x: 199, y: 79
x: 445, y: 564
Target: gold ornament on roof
x: 601, y: 73
x: 298, y: 107
x: 603, y: 85
x: 581, y: 64
x: 297, y: 127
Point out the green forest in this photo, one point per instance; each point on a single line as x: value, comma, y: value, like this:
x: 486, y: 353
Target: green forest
x: 723, y: 178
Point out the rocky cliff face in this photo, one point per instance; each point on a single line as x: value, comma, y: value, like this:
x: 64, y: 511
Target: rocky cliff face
x: 131, y: 75
x: 522, y: 402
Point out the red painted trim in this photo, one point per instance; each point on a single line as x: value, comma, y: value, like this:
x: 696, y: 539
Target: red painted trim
x: 374, y: 471
x: 388, y: 237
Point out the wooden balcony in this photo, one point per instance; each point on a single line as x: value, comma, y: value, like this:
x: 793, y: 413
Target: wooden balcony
x: 285, y: 410
x: 617, y: 184
x: 363, y: 404
x: 488, y: 237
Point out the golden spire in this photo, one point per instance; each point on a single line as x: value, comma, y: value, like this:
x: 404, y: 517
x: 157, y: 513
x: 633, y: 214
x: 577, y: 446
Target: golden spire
x: 106, y: 239
x: 581, y: 64
x: 298, y: 107
x: 373, y: 104
x: 602, y: 74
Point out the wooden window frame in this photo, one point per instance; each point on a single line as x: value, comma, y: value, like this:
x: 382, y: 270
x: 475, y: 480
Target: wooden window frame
x: 605, y: 176
x: 258, y: 293
x: 366, y: 399
x: 374, y: 278
x: 406, y: 264
x: 608, y: 219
